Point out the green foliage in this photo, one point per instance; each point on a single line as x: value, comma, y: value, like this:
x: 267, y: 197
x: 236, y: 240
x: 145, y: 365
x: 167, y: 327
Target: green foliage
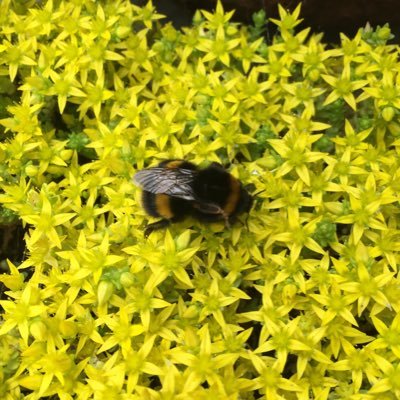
x: 325, y: 233
x: 301, y: 302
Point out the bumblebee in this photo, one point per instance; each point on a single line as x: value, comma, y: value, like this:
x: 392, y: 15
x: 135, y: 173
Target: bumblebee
x: 175, y: 189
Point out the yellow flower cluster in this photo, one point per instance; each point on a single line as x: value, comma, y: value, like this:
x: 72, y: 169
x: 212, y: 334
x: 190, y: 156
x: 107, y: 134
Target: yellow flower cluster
x: 301, y: 302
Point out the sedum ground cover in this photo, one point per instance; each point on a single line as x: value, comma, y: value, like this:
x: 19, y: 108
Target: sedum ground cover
x: 300, y: 301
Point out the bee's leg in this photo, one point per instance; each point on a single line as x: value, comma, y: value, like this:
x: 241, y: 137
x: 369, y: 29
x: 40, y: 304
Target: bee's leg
x: 227, y: 220
x: 156, y: 226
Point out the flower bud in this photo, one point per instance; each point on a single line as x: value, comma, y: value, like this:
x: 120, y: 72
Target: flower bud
x: 38, y: 330
x: 31, y: 170
x: 127, y: 279
x: 67, y: 329
x: 388, y: 113
x: 105, y: 290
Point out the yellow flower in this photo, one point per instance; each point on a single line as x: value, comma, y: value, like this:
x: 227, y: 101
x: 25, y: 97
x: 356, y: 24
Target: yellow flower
x: 15, y: 56
x: 95, y: 95
x: 217, y: 19
x: 121, y: 331
x: 46, y: 221
x: 19, y: 313
x: 287, y: 21
x: 65, y: 85
x: 247, y: 53
x: 295, y: 150
x: 304, y: 94
x: 343, y: 87
x: 218, y: 48
x: 389, y: 379
x: 146, y: 14
x: 269, y: 380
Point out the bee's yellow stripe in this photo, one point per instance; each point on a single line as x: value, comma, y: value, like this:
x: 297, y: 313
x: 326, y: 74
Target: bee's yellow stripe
x: 174, y: 164
x: 233, y: 198
x: 163, y: 206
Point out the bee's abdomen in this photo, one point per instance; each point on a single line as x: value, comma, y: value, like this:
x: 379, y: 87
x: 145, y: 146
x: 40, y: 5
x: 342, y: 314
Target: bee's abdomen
x: 233, y: 197
x: 173, y: 164
x: 164, y: 206
x: 157, y: 205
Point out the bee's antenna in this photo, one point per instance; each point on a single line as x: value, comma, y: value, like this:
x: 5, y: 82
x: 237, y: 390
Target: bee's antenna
x: 246, y: 221
x: 259, y: 192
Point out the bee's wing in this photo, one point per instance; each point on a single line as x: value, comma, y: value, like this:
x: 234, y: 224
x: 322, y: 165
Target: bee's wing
x: 175, y: 182
x: 208, y: 208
